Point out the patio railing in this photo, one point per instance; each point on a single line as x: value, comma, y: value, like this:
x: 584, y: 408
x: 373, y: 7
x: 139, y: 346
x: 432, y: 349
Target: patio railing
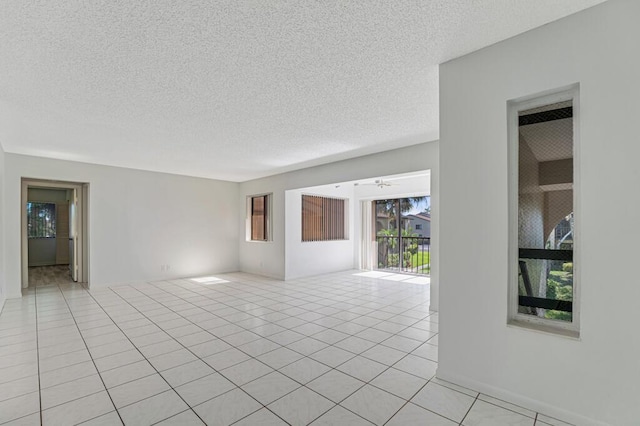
x: 405, y: 254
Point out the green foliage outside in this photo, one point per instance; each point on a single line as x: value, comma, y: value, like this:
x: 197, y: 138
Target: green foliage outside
x: 388, y: 256
x: 411, y: 257
x: 560, y: 287
x: 419, y: 259
x: 394, y: 233
x: 41, y: 220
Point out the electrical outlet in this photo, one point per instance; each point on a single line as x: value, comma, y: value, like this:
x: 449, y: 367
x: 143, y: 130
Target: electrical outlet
x: 167, y: 267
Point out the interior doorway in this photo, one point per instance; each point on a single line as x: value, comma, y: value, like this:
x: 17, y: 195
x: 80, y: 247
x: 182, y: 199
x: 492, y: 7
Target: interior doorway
x: 54, y: 229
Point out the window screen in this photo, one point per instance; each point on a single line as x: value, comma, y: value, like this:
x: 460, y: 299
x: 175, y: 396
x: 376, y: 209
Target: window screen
x: 546, y: 212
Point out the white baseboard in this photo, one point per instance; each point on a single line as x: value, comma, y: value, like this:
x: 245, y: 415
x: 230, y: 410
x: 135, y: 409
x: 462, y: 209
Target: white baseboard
x: 520, y: 400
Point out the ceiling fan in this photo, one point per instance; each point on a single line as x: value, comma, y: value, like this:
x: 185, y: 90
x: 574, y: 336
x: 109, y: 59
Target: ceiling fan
x: 380, y: 183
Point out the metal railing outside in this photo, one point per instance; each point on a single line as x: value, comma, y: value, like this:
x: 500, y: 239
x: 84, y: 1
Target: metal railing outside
x: 404, y: 254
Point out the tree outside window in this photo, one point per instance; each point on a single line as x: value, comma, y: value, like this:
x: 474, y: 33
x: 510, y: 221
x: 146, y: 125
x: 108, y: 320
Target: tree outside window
x: 41, y: 220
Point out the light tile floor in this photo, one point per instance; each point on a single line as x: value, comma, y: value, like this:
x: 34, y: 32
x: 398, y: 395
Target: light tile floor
x: 341, y: 349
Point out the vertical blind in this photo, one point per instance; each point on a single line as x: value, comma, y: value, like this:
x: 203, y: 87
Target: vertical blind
x: 259, y: 218
x: 323, y: 218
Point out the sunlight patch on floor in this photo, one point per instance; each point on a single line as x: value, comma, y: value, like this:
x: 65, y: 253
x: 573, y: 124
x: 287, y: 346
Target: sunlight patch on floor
x: 411, y: 279
x: 208, y: 280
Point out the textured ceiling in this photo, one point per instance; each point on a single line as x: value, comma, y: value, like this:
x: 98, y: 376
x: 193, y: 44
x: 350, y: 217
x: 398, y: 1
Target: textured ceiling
x: 236, y: 90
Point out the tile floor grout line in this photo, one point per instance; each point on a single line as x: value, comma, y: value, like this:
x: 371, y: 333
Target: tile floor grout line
x: 35, y: 302
x: 469, y: 410
x: 90, y: 355
x: 153, y: 366
x: 505, y: 408
x: 431, y: 411
x: 354, y: 355
x: 219, y: 372
x: 407, y: 401
x: 75, y: 399
x: 253, y: 412
x: 290, y: 329
x: 19, y: 378
x: 145, y: 358
x: 154, y: 284
x: 187, y: 303
x: 442, y: 415
x: 304, y: 356
x: 365, y: 383
x: 216, y: 371
x: 297, y: 306
x: 201, y: 328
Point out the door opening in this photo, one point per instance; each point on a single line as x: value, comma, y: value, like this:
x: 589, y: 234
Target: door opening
x: 54, y: 232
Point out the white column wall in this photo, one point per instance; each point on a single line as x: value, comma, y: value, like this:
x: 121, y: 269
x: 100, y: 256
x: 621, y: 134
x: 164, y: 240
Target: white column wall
x: 595, y: 379
x: 3, y: 282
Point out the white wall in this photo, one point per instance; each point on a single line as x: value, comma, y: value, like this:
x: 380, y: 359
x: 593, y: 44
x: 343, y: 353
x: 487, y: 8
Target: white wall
x: 3, y: 286
x: 593, y: 380
x: 138, y: 221
x: 304, y: 259
x: 42, y: 251
x: 269, y: 258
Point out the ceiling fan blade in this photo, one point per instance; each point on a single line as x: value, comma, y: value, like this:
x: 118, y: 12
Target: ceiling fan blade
x: 379, y: 183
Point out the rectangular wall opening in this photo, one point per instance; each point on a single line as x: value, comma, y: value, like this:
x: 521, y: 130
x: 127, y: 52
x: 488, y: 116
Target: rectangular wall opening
x: 543, y: 285
x: 54, y: 232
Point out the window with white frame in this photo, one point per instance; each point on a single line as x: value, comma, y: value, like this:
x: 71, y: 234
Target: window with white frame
x: 259, y: 215
x: 542, y: 180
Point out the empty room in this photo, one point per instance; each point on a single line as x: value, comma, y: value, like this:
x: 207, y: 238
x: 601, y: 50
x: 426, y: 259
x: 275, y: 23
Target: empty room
x: 319, y: 213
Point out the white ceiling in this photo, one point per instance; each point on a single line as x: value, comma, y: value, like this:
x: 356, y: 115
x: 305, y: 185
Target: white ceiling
x: 236, y: 90
x: 397, y: 186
